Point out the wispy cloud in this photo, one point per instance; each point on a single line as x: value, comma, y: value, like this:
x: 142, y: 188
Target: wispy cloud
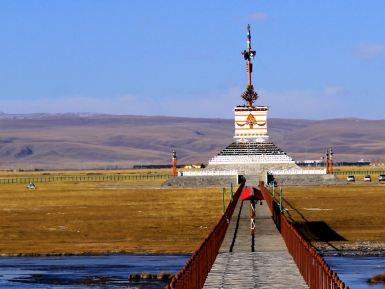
x: 258, y: 16
x: 116, y: 105
x: 328, y: 102
x: 210, y: 104
x: 370, y: 51
x: 334, y: 91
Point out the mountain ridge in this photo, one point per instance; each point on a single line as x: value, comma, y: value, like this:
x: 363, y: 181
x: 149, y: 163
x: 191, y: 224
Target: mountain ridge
x: 83, y: 140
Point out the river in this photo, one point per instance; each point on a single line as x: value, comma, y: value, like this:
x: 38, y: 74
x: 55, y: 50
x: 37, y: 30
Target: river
x: 81, y: 272
x: 111, y: 271
x: 356, y: 270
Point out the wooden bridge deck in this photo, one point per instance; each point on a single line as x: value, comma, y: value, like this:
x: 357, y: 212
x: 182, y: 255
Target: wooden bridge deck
x: 262, y: 262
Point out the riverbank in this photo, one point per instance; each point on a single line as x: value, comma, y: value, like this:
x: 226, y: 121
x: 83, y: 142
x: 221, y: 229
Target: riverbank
x: 343, y: 219
x: 351, y: 249
x: 81, y: 218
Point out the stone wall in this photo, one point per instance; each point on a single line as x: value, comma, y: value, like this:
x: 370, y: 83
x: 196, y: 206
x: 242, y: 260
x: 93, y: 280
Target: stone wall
x: 306, y: 180
x: 200, y: 181
x: 253, y: 169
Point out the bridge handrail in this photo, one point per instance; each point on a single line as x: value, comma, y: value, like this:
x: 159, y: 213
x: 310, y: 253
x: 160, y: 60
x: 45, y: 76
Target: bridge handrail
x: 194, y: 273
x: 298, y: 172
x: 207, y: 173
x: 315, y: 271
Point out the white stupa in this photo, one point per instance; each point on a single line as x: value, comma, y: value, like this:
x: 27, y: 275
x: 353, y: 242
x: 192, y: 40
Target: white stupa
x: 251, y: 149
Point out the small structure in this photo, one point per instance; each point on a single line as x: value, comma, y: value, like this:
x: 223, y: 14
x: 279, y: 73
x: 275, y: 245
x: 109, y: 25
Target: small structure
x: 377, y: 163
x: 31, y: 186
x: 194, y: 166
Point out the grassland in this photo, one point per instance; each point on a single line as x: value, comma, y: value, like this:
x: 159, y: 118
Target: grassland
x: 137, y: 216
x: 346, y: 217
x: 101, y: 217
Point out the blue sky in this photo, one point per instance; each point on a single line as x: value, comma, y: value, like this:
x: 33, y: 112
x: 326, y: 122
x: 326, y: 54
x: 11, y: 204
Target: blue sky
x: 315, y: 59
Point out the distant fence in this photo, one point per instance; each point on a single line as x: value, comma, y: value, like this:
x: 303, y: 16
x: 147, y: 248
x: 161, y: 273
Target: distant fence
x: 194, y: 273
x: 315, y: 271
x: 359, y: 172
x: 207, y: 173
x: 298, y: 172
x: 80, y: 178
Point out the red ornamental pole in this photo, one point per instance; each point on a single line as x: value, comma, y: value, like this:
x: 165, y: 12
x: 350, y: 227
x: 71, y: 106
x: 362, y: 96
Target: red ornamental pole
x: 248, y: 55
x: 249, y: 64
x: 331, y: 161
x: 174, y: 160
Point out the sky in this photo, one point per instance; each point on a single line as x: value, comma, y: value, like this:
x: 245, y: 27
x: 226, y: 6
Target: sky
x: 315, y: 59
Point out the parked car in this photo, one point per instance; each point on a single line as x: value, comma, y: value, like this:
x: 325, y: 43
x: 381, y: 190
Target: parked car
x: 351, y: 179
x: 381, y: 178
x: 367, y: 178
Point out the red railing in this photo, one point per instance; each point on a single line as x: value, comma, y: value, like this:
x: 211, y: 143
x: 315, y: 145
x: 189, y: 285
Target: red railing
x: 315, y: 271
x: 194, y: 273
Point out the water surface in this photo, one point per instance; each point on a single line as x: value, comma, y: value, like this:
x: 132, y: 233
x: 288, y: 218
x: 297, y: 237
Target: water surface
x: 354, y: 271
x: 81, y: 272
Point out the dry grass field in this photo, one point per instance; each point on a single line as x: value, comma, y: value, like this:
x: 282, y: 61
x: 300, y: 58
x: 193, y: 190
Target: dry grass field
x: 339, y: 215
x: 138, y: 216
x: 102, y: 217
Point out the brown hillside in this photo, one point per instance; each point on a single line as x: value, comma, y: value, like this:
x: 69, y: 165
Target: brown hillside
x: 99, y: 141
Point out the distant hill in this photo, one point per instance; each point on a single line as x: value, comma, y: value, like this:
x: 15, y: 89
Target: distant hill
x: 58, y: 141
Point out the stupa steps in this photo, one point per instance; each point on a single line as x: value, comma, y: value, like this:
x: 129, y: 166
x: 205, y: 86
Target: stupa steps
x: 252, y: 148
x: 238, y: 153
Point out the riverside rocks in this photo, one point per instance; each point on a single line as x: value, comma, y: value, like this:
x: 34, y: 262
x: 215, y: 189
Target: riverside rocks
x: 64, y: 280
x: 94, y: 280
x: 377, y: 279
x: 150, y: 276
x: 350, y: 249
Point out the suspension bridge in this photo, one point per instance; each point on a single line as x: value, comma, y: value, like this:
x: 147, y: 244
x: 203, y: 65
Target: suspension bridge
x: 274, y: 256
